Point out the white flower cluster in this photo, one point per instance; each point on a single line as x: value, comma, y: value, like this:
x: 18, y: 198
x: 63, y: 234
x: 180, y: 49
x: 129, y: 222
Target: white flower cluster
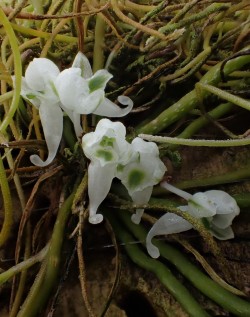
x: 78, y: 91
x: 137, y: 165
x: 75, y: 91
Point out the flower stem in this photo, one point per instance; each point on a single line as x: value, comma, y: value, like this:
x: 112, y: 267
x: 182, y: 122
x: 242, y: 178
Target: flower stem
x: 176, y: 190
x: 195, y: 142
x: 5, y: 276
x: 8, y: 212
x: 18, y: 71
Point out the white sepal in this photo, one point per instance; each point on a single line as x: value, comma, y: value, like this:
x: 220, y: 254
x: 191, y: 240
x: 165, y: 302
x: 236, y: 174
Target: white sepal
x: 167, y: 224
x: 99, y: 183
x: 107, y: 108
x: 140, y: 198
x: 52, y: 122
x: 82, y: 62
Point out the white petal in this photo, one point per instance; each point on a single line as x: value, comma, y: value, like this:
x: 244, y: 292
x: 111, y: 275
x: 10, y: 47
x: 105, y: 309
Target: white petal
x: 31, y: 95
x: 145, y: 147
x: 82, y: 62
x: 140, y: 197
x: 116, y: 147
x: 39, y: 72
x: 223, y: 221
x: 52, y: 122
x: 105, y: 124
x: 201, y: 206
x: 88, y: 104
x: 144, y: 168
x: 149, y: 159
x: 99, y: 183
x: 167, y: 224
x: 76, y: 120
x: 109, y: 109
x: 74, y: 93
x: 222, y: 234
x: 225, y: 203
x: 136, y: 218
x: 71, y: 87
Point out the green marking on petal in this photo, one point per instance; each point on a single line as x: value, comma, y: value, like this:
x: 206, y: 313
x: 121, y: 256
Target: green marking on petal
x: 106, y: 141
x: 82, y: 67
x: 104, y: 154
x: 54, y: 89
x: 97, y: 83
x: 206, y: 222
x: 135, y: 178
x: 30, y: 96
x: 120, y: 168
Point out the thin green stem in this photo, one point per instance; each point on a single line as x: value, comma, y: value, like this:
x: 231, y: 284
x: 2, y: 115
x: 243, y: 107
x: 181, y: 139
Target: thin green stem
x: 215, y: 7
x: 226, y: 95
x: 5, y: 276
x: 8, y: 212
x: 98, y: 57
x: 41, y: 34
x: 193, y: 142
x: 199, y: 123
x: 6, y: 96
x: 23, y: 276
x: 179, y: 72
x: 18, y: 70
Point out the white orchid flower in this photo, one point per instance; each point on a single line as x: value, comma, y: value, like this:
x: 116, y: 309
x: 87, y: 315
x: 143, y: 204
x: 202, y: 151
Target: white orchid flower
x: 215, y: 208
x: 75, y: 90
x: 106, y: 148
x: 39, y: 89
x: 81, y: 92
x: 141, y: 173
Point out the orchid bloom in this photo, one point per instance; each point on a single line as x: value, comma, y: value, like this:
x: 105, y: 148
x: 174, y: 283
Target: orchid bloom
x: 75, y: 90
x: 137, y: 165
x: 215, y: 208
x: 81, y: 92
x: 141, y: 173
x: 106, y: 148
